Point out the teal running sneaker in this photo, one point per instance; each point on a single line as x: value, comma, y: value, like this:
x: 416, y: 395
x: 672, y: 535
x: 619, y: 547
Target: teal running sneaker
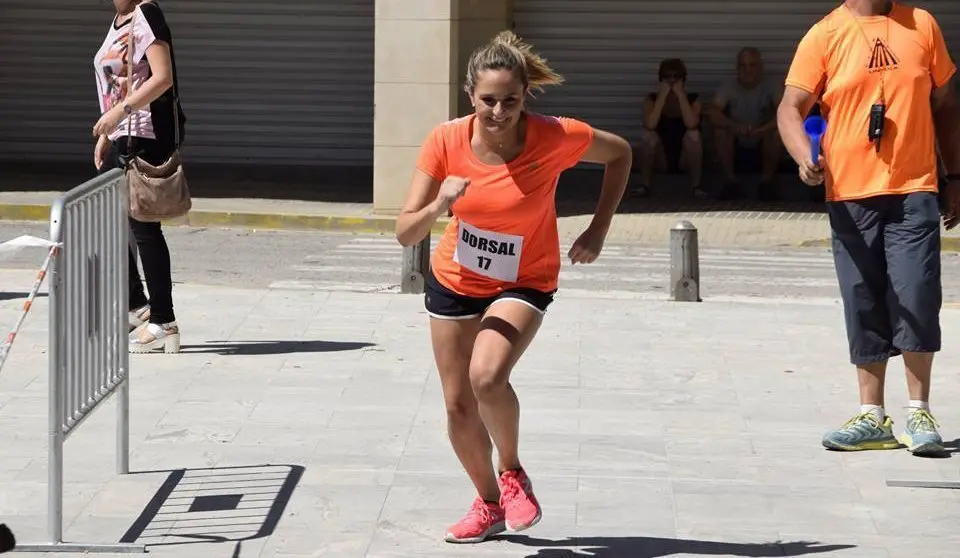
x: 920, y: 435
x: 862, y: 432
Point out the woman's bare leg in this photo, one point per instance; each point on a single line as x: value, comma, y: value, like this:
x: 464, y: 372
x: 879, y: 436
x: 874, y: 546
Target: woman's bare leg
x: 505, y: 333
x: 453, y: 342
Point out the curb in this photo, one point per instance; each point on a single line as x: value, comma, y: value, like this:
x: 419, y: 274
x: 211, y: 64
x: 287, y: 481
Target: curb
x: 817, y: 243
x: 25, y: 212
x: 947, y: 243
x: 357, y: 224
x: 276, y: 221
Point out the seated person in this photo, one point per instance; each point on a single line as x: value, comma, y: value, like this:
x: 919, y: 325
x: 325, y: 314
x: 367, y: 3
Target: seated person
x: 744, y: 117
x: 670, y: 140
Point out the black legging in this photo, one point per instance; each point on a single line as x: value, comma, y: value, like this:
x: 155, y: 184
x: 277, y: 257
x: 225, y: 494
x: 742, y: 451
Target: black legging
x: 151, y: 244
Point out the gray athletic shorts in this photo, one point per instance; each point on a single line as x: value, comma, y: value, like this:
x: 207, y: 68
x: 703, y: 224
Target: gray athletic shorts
x: 887, y: 254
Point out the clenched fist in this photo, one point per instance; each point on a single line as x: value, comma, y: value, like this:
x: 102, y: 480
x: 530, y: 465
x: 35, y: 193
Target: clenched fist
x: 452, y: 189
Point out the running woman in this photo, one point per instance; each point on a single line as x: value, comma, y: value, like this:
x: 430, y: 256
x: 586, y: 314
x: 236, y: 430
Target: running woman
x: 496, y: 269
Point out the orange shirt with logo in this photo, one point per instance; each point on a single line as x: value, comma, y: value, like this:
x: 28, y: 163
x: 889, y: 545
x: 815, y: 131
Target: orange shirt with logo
x: 855, y: 62
x: 503, y: 233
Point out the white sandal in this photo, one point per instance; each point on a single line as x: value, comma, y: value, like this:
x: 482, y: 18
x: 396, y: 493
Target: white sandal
x: 138, y: 317
x: 153, y: 337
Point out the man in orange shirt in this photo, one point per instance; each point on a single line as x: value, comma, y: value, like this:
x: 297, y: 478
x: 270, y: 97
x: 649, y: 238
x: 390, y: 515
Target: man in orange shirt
x: 496, y: 268
x: 883, y: 71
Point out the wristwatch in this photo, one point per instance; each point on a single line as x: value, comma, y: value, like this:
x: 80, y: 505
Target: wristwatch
x: 127, y: 109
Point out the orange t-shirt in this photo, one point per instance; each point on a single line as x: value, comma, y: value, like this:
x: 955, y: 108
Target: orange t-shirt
x: 849, y: 59
x: 503, y: 233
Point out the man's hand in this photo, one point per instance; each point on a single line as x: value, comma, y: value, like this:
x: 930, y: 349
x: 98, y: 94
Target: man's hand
x: 759, y: 131
x: 811, y: 174
x: 950, y: 203
x: 741, y: 129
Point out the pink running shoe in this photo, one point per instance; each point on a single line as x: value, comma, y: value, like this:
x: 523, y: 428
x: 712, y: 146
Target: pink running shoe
x: 519, y: 504
x: 482, y: 521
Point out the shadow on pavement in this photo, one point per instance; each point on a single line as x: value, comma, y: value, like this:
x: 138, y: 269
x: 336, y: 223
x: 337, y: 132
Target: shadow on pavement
x: 217, y: 505
x: 951, y: 447
x: 249, y: 348
x: 7, y: 540
x: 654, y: 547
x: 15, y: 296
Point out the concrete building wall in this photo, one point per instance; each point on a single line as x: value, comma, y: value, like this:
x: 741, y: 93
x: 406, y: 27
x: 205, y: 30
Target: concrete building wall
x: 421, y: 51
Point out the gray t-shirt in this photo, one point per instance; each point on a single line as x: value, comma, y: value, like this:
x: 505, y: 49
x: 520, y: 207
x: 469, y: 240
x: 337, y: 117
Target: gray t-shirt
x: 750, y: 106
x: 755, y: 106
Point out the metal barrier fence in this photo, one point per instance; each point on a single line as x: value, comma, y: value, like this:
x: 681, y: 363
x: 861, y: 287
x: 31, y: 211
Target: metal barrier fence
x: 89, y: 359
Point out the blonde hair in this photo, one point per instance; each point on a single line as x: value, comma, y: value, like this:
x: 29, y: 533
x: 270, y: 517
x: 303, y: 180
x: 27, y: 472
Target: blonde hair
x: 507, y: 51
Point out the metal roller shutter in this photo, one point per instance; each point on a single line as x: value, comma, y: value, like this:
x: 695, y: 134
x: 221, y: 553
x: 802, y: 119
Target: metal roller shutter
x: 280, y: 82
x: 609, y: 50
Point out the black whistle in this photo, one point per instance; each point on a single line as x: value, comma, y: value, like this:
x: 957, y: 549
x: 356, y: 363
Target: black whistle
x: 877, y: 119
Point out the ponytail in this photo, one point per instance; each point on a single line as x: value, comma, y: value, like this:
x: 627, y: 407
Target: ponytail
x: 507, y: 51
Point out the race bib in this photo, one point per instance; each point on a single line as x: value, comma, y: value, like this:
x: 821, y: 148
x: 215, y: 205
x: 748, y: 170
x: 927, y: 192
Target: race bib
x: 491, y: 254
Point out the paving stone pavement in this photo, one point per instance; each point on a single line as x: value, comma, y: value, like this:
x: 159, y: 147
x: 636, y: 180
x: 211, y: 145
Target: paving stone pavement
x: 369, y: 263
x: 649, y: 428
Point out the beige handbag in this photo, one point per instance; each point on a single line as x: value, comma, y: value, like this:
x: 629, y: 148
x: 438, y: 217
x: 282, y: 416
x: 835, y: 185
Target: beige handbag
x: 160, y: 192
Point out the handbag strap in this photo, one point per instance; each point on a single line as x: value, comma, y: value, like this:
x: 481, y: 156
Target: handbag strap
x: 130, y: 87
x: 176, y: 94
x: 130, y: 45
x: 176, y: 104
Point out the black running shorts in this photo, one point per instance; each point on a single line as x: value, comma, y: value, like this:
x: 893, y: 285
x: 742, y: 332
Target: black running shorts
x: 445, y: 304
